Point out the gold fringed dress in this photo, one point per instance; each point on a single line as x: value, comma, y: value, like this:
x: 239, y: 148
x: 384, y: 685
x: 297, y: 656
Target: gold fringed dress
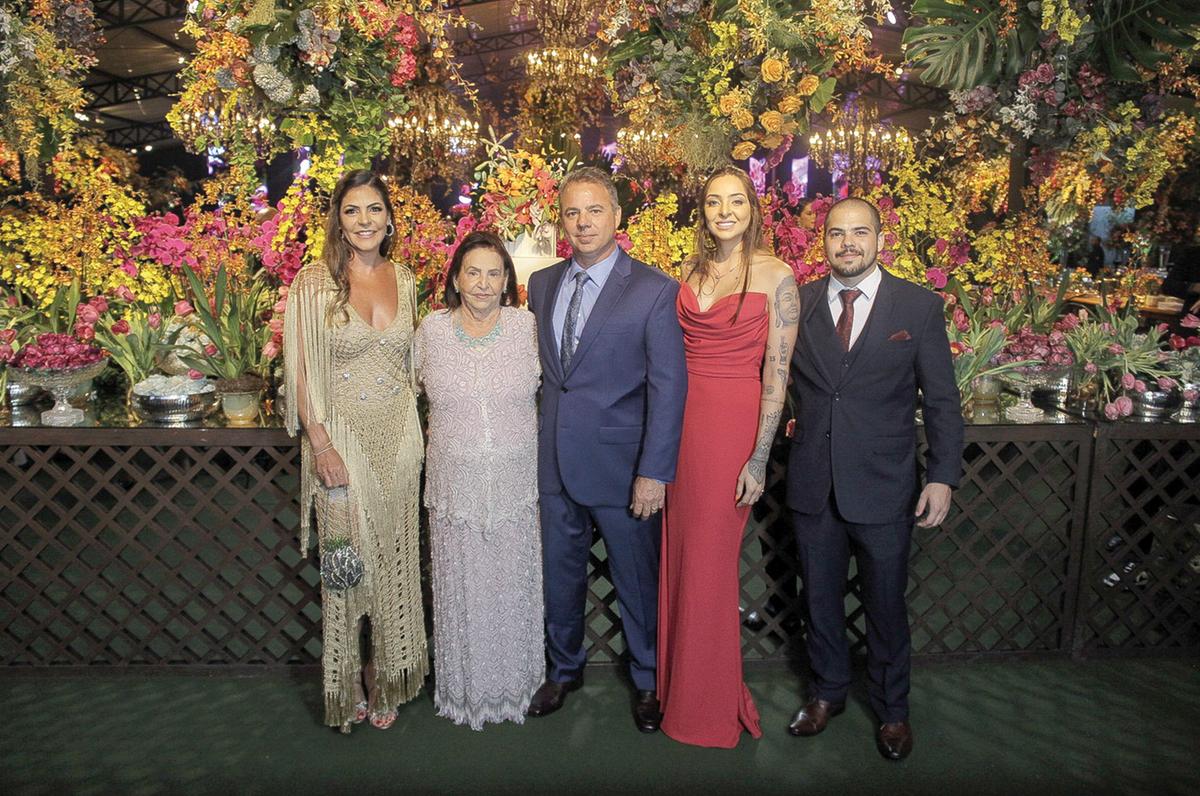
x: 360, y: 388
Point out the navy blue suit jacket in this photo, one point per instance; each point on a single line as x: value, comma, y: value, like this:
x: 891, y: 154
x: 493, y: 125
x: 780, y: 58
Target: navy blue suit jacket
x: 617, y: 412
x: 855, y: 427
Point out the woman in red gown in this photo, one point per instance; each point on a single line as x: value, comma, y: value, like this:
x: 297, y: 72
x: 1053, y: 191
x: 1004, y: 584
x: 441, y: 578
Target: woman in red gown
x: 739, y: 309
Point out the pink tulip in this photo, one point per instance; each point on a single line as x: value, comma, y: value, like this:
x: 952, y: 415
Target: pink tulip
x: 1127, y: 381
x: 183, y: 308
x: 125, y: 294
x: 280, y: 307
x: 1124, y: 405
x: 1191, y: 395
x: 85, y: 331
x: 210, y: 349
x: 99, y: 303
x: 11, y: 301
x: 1116, y: 348
x: 121, y: 327
x: 1139, y: 386
x: 1190, y: 321
x: 154, y: 319
x: 1091, y: 368
x: 270, y: 350
x: 1166, y: 384
x: 1111, y: 411
x: 195, y: 374
x: 7, y: 336
x: 86, y: 313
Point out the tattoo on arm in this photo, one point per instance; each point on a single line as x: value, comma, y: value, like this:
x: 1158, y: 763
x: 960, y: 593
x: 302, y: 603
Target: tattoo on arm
x: 766, y: 435
x: 787, y: 303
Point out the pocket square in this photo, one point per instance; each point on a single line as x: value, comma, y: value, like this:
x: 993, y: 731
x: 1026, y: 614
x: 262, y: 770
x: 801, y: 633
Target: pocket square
x: 900, y: 336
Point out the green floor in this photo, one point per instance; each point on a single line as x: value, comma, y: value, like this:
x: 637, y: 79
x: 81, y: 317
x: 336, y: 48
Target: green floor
x: 1009, y: 727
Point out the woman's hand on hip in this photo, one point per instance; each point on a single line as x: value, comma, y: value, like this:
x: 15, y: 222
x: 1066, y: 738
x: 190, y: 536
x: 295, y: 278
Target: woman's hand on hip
x: 331, y: 469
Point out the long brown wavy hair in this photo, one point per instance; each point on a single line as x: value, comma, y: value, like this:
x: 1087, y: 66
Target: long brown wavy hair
x: 701, y: 262
x: 336, y: 254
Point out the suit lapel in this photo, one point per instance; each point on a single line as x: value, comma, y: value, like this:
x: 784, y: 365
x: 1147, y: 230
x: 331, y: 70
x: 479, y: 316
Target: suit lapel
x: 614, y: 288
x: 818, y: 328
x: 878, y: 322
x: 545, y: 325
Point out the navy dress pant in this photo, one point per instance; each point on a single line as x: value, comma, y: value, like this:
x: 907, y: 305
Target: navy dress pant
x: 825, y: 542
x: 632, y: 546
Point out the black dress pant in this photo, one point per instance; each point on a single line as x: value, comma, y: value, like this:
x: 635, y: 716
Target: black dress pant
x: 824, y: 543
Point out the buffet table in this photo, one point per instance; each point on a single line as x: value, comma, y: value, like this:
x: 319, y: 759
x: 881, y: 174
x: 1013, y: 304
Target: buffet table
x: 123, y: 544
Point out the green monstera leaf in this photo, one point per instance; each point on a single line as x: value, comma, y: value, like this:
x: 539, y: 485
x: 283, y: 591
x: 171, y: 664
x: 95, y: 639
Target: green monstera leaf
x: 1128, y: 30
x: 959, y: 47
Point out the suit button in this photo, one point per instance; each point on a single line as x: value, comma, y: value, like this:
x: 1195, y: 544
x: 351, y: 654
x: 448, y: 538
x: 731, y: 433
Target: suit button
x: 826, y: 435
x: 564, y: 389
x: 837, y: 396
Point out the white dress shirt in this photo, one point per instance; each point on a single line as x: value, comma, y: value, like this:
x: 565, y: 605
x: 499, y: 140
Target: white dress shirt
x: 598, y: 275
x: 862, y: 304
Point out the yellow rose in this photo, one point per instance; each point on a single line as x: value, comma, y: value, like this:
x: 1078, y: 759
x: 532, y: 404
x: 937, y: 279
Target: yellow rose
x: 790, y: 104
x: 729, y: 103
x: 742, y: 119
x: 772, y: 141
x: 771, y: 121
x: 743, y: 150
x: 773, y: 70
x: 808, y: 86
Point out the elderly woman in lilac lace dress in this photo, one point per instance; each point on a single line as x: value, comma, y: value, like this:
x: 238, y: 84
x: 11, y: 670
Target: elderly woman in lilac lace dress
x: 478, y: 364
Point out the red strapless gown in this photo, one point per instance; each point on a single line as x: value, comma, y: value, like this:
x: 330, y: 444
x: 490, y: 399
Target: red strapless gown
x: 704, y: 699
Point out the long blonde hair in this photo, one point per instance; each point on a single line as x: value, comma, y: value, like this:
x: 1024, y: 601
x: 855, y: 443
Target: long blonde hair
x: 336, y: 254
x: 701, y: 262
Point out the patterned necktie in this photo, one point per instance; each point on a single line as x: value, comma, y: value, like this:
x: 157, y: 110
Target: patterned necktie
x: 846, y: 321
x: 566, y: 347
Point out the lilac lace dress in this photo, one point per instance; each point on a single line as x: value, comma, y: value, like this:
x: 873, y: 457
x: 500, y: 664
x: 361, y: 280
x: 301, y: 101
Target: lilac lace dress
x: 481, y: 494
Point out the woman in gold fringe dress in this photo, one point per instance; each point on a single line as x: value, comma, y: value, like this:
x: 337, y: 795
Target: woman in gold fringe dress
x: 347, y: 339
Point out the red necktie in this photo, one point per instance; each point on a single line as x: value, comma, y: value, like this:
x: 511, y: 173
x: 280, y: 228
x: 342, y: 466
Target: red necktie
x: 846, y: 321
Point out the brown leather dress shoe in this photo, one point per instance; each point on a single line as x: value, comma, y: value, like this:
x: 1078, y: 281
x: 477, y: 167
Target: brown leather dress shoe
x: 550, y: 696
x: 812, y: 718
x: 895, y: 740
x: 647, y: 714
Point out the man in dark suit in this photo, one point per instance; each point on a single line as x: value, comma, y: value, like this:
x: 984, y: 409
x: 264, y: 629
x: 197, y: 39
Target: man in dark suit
x: 868, y: 342
x: 613, y: 387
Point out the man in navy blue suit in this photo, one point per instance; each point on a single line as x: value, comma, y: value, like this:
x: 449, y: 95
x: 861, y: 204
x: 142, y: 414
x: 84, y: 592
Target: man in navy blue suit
x: 868, y: 342
x: 613, y: 386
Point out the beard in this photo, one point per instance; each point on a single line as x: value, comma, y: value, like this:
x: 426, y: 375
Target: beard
x: 850, y: 269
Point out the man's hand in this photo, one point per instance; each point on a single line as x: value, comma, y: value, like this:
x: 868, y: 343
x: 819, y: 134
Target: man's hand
x: 935, y: 498
x: 648, y: 497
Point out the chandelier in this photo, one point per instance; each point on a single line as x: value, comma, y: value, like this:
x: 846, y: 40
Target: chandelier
x: 215, y: 122
x: 643, y: 148
x: 436, y: 135
x: 562, y: 65
x: 858, y: 145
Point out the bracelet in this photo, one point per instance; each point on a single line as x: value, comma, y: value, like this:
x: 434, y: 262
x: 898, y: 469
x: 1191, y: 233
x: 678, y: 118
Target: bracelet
x: 328, y: 447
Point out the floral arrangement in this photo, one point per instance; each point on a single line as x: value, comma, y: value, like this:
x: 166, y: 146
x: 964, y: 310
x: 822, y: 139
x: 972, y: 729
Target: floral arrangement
x: 655, y: 238
x: 136, y: 341
x: 799, y: 246
x: 741, y: 75
x: 518, y: 190
x: 422, y: 241
x: 347, y: 64
x: 46, y: 48
x: 231, y: 316
x: 1117, y: 358
x: 50, y: 351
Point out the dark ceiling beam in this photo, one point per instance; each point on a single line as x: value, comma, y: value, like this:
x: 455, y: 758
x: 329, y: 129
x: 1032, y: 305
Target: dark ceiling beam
x: 120, y: 90
x: 140, y: 134
x: 497, y: 42
x: 115, y: 14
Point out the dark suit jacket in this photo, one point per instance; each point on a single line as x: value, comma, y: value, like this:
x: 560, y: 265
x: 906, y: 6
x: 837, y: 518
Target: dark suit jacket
x: 618, y: 411
x: 855, y: 427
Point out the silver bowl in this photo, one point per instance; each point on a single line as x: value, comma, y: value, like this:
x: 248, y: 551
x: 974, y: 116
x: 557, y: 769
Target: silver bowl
x: 1155, y: 403
x: 169, y: 410
x: 23, y: 394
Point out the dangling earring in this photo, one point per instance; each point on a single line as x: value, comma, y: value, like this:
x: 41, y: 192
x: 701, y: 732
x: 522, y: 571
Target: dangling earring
x: 710, y: 245
x: 391, y: 229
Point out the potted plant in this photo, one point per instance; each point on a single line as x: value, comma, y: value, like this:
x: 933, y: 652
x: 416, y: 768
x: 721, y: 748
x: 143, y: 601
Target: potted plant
x: 232, y: 318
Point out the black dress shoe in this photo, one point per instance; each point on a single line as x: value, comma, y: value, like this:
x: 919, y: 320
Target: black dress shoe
x: 551, y: 696
x: 895, y: 740
x: 646, y: 712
